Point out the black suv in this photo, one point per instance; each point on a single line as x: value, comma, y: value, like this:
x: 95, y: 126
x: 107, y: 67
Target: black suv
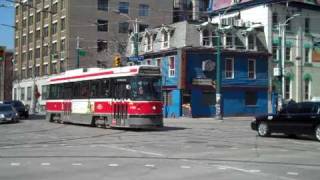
x: 22, y: 110
x: 293, y: 119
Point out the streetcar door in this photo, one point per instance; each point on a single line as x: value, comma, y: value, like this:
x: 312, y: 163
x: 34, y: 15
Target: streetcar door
x: 67, y: 102
x: 120, y: 103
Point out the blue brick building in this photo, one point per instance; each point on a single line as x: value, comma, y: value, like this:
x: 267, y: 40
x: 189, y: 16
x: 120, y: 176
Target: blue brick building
x: 189, y: 73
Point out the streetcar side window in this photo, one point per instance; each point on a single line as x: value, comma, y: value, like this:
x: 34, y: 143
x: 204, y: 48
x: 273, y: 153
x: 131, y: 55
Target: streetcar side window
x: 67, y: 92
x: 94, y: 89
x: 84, y: 90
x: 105, y: 89
x: 76, y: 90
x: 56, y: 91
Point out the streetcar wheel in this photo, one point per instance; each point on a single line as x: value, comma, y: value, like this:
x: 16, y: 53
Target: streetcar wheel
x: 263, y: 129
x: 317, y: 132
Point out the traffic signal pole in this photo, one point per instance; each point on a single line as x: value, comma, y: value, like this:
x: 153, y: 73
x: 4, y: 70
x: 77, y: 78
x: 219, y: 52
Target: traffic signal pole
x: 218, y: 78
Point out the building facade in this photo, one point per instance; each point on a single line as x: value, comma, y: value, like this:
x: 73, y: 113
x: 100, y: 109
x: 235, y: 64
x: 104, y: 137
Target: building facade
x: 53, y: 36
x: 186, y: 53
x: 6, y: 76
x: 190, y: 10
x: 301, y: 47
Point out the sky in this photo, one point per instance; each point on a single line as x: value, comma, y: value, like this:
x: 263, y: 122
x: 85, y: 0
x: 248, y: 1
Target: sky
x: 7, y: 18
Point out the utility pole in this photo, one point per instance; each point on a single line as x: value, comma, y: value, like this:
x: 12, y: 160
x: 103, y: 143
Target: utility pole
x: 218, y: 77
x: 283, y: 57
x: 136, y: 38
x: 78, y: 51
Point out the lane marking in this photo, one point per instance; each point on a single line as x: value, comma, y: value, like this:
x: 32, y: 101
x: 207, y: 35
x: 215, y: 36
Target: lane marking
x: 113, y: 165
x: 15, y: 164
x: 150, y: 165
x: 185, y: 167
x: 234, y: 148
x: 45, y: 164
x: 293, y: 173
x: 45, y: 145
x: 76, y: 164
x: 136, y: 151
x: 239, y: 169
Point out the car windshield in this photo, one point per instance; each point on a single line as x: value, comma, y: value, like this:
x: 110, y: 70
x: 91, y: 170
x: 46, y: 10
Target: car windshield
x: 146, y: 88
x: 5, y: 108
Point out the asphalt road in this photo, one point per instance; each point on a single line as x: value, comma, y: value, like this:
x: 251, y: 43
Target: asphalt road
x: 184, y: 149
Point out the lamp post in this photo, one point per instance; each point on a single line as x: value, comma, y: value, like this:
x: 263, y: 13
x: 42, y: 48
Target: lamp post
x: 282, y: 54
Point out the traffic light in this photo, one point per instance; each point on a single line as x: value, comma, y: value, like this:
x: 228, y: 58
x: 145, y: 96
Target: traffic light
x: 1, y: 53
x: 117, y: 61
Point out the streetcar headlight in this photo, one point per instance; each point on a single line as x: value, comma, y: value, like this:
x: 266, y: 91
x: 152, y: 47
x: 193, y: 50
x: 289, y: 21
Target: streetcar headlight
x: 154, y: 107
x: 1, y: 115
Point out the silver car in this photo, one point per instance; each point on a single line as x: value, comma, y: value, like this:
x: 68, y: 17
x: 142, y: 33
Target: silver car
x: 8, y: 113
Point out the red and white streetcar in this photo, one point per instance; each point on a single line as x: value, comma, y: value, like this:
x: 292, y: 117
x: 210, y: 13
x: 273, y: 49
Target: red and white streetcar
x: 126, y: 97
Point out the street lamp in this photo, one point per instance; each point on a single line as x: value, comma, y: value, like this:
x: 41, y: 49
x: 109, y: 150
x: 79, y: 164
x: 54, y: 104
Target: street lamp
x: 282, y: 54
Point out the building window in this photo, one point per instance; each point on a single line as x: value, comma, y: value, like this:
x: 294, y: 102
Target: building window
x: 158, y: 62
x: 45, y: 32
x: 38, y: 34
x: 30, y: 20
x: 287, y: 88
x: 251, y: 68
x: 29, y: 93
x: 307, y: 89
x: 229, y: 40
x: 29, y: 72
x: 30, y: 55
x: 45, y: 69
x: 307, y: 25
x: 172, y: 65
x: 45, y: 50
x: 54, y: 68
x: 45, y: 13
x: 103, y: 5
x: 24, y: 23
x: 63, y: 24
x: 102, y: 45
x: 229, y: 68
x: 61, y: 4
x: 37, y: 53
x: 62, y: 66
x: 165, y: 39
x: 275, y: 22
x: 54, y: 48
x: 102, y: 25
x: 30, y: 37
x: 37, y: 71
x: 62, y: 45
x: 54, y: 28
x: 143, y: 27
x: 24, y: 73
x: 54, y: 8
x: 22, y: 94
x: 251, y: 42
x: 274, y: 52
x: 38, y: 16
x: 15, y: 94
x: 205, y: 38
x: 124, y: 7
x: 24, y: 40
x: 148, y: 61
x: 143, y: 10
x: 251, y: 98
x: 148, y: 43
x: 288, y: 54
x: 123, y: 27
x: 307, y: 55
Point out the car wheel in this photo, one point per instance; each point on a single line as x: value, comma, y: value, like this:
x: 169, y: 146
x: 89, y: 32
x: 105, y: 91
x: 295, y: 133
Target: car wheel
x: 317, y: 132
x: 263, y: 129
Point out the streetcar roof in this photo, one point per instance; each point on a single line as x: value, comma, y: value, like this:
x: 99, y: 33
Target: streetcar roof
x: 83, y: 74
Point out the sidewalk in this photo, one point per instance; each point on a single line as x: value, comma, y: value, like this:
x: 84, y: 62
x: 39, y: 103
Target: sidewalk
x: 234, y: 118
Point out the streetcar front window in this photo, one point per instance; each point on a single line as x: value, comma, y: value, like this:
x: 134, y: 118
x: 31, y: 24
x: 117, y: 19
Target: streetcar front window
x: 146, y: 88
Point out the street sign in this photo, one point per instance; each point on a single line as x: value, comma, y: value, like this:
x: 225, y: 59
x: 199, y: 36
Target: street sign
x: 136, y: 58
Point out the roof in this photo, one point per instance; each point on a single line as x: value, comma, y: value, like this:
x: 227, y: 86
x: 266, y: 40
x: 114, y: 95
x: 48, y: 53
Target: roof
x: 219, y: 6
